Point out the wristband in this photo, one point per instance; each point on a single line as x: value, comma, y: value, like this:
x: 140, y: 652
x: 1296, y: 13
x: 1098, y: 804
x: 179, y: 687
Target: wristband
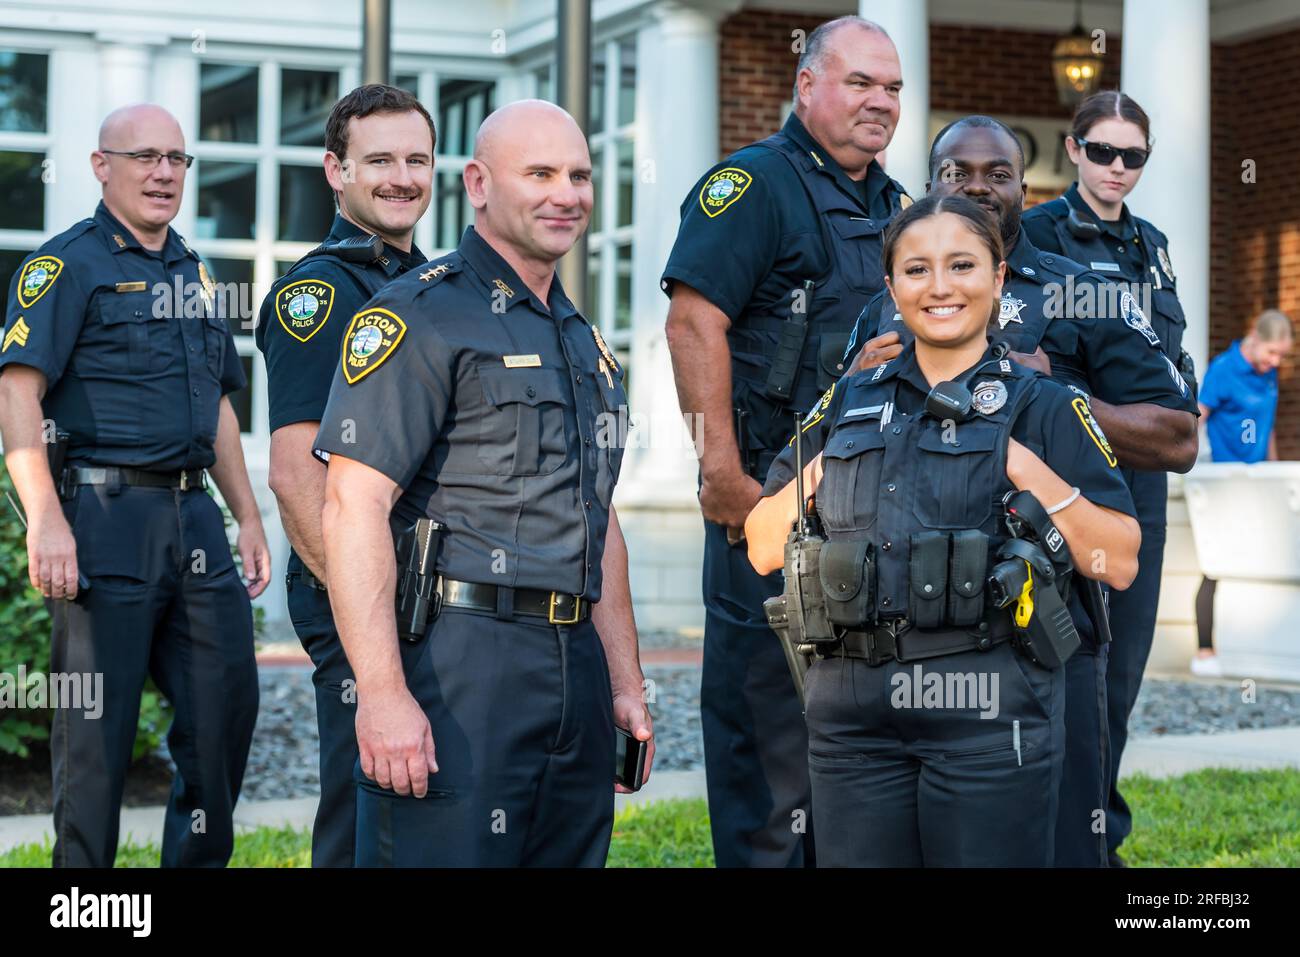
x: 1074, y: 493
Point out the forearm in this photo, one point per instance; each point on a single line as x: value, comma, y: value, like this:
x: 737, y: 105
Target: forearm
x: 25, y: 452
x: 612, y: 615
x: 1147, y: 436
x: 770, y: 521
x: 229, y: 472
x: 298, y: 480
x: 701, y: 361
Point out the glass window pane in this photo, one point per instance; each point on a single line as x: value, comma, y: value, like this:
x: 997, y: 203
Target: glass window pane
x: 228, y: 102
x: 591, y: 309
x: 598, y: 64
x: 453, y: 210
x: 10, y: 260
x: 306, y: 98
x: 462, y: 105
x: 623, y: 289
x: 306, y: 204
x: 234, y: 278
x: 410, y: 82
x: 242, y: 401
x: 227, y: 200
x: 22, y: 194
x: 24, y: 88
x: 626, y: 175
x: 626, y: 82
x: 597, y: 169
x: 282, y: 266
x: 545, y: 84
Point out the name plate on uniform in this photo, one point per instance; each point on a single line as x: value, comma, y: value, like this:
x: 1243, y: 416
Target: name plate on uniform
x: 521, y: 362
x: 130, y: 287
x: 1105, y: 267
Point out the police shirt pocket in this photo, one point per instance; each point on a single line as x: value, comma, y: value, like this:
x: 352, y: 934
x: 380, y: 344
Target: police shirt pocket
x: 955, y: 481
x: 610, y: 435
x: 214, y: 343
x: 136, y: 342
x: 524, y: 429
x: 851, y: 464
x: 861, y: 246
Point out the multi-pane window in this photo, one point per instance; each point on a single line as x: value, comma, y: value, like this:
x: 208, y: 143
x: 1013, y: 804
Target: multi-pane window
x: 24, y: 167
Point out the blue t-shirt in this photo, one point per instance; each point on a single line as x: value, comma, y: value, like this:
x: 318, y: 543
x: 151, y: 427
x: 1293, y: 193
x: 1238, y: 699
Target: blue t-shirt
x: 1243, y: 404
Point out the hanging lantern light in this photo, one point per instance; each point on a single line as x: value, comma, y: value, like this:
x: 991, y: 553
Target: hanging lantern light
x: 1075, y: 65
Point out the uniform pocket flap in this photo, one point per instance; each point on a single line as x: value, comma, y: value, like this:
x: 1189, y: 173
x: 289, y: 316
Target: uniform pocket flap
x: 830, y: 354
x: 963, y: 439
x: 857, y: 227
x: 502, y: 386
x: 116, y: 307
x: 970, y: 554
x: 842, y: 568
x: 847, y: 443
x: 929, y: 565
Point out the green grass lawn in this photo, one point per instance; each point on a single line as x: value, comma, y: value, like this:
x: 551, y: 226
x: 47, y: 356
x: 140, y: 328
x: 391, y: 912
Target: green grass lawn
x: 1212, y: 818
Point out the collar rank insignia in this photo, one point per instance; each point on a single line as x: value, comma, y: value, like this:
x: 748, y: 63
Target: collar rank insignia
x: 372, y: 336
x: 723, y: 188
x: 433, y: 273
x: 988, y: 397
x: 1166, y: 266
x: 604, y: 349
x: 1009, y: 310
x: 36, y: 279
x: 504, y: 288
x: 303, y: 307
x: 121, y: 243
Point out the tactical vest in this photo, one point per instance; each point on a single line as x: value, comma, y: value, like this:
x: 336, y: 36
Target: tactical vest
x: 853, y: 274
x: 891, y: 477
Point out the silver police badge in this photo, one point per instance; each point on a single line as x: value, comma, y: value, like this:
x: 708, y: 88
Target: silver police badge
x: 1163, y: 255
x: 1135, y: 318
x: 1009, y: 310
x: 988, y: 397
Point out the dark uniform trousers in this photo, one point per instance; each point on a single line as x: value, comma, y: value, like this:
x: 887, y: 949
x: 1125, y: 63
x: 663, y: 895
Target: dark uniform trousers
x: 885, y: 776
x: 173, y: 607
x: 333, y: 839
x: 1085, y: 775
x: 523, y: 731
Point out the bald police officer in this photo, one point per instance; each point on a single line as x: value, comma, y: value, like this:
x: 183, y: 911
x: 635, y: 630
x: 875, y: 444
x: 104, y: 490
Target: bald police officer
x: 379, y: 145
x: 114, y: 337
x: 750, y: 347
x: 472, y: 393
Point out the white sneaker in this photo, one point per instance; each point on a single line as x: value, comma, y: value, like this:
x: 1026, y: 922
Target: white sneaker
x: 1207, y: 667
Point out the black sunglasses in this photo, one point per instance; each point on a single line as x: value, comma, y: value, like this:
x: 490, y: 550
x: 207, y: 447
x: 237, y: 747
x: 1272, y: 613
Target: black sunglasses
x: 1103, y: 154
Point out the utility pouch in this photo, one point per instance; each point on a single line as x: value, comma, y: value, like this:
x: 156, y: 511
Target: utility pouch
x: 847, y: 574
x: 830, y: 360
x: 928, y: 572
x: 784, y: 370
x: 966, y: 573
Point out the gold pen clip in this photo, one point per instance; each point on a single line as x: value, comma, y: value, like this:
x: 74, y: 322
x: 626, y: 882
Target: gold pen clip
x: 604, y: 369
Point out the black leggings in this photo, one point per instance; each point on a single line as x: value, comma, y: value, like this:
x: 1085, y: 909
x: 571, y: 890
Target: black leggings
x: 1205, y: 613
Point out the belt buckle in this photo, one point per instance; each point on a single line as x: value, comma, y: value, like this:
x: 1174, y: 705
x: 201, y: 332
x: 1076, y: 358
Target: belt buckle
x: 185, y: 481
x: 550, y: 611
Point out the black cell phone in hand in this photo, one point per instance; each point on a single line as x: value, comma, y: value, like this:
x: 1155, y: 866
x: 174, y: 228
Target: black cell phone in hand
x: 629, y: 760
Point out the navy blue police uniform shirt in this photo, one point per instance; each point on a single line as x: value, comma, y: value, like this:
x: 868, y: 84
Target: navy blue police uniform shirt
x: 1120, y: 237
x: 300, y: 326
x: 135, y: 352
x: 497, y: 414
x: 764, y: 238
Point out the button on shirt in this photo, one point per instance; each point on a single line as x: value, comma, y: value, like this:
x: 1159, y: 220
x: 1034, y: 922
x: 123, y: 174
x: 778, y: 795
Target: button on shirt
x: 302, y: 319
x: 499, y: 415
x: 132, y: 343
x: 1243, y: 404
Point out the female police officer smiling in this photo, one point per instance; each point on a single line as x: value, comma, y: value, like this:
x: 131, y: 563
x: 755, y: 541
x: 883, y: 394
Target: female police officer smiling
x: 934, y: 716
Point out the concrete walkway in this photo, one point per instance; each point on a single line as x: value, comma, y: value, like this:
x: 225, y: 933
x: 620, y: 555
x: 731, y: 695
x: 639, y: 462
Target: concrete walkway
x: 1159, y: 756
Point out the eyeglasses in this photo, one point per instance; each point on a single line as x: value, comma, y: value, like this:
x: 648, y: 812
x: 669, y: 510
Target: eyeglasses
x: 149, y: 159
x: 1103, y: 154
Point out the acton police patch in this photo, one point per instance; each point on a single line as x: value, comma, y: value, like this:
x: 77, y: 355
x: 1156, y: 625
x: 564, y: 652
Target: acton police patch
x: 372, y: 336
x: 36, y: 278
x: 723, y: 188
x: 303, y: 307
x: 1084, y: 412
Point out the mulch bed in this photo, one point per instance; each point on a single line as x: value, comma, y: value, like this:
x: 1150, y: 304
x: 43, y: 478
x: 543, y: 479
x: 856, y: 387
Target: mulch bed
x: 25, y: 786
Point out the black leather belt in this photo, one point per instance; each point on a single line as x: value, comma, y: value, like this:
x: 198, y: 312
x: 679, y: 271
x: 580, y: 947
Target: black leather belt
x: 184, y: 480
x: 896, y: 642
x: 556, y: 607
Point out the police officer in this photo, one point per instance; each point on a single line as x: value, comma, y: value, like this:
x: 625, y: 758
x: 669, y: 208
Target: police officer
x: 379, y: 162
x: 113, y: 337
x: 934, y: 715
x: 1109, y: 141
x: 779, y: 248
x: 472, y: 392
x: 1068, y: 318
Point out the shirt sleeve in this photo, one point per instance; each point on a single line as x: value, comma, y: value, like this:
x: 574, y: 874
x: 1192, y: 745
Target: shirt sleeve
x: 1040, y: 229
x: 727, y: 244
x: 865, y: 327
x: 813, y: 431
x: 302, y: 352
x: 389, y: 412
x: 45, y: 312
x: 1076, y: 449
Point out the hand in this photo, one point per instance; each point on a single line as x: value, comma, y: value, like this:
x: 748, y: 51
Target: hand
x: 52, y: 555
x: 728, y: 499
x: 395, y: 741
x: 876, y: 352
x: 255, y: 555
x: 1034, y: 360
x: 631, y: 714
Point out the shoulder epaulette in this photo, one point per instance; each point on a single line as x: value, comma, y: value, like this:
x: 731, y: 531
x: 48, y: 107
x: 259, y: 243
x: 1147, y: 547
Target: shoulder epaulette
x: 75, y: 231
x: 431, y: 273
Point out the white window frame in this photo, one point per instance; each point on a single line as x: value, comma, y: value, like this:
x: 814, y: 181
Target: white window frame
x: 26, y: 240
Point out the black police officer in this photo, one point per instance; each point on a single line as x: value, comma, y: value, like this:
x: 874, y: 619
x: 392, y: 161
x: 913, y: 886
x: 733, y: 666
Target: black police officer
x: 473, y: 393
x: 1069, y: 318
x: 934, y: 720
x: 1109, y: 141
x: 750, y: 344
x: 379, y: 145
x: 113, y: 336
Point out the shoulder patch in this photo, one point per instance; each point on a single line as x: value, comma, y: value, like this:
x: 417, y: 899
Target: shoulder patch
x: 1135, y: 318
x: 36, y: 279
x: 722, y: 189
x: 1084, y: 412
x: 372, y: 336
x: 303, y: 306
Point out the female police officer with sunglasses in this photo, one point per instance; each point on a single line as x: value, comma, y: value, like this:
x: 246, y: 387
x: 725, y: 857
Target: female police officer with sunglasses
x: 934, y: 700
x: 1109, y: 142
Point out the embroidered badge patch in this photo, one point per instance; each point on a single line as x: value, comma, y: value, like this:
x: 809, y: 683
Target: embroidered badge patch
x: 17, y: 336
x: 372, y: 337
x: 1084, y: 412
x: 723, y: 188
x: 1135, y: 318
x: 36, y: 279
x: 303, y: 307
